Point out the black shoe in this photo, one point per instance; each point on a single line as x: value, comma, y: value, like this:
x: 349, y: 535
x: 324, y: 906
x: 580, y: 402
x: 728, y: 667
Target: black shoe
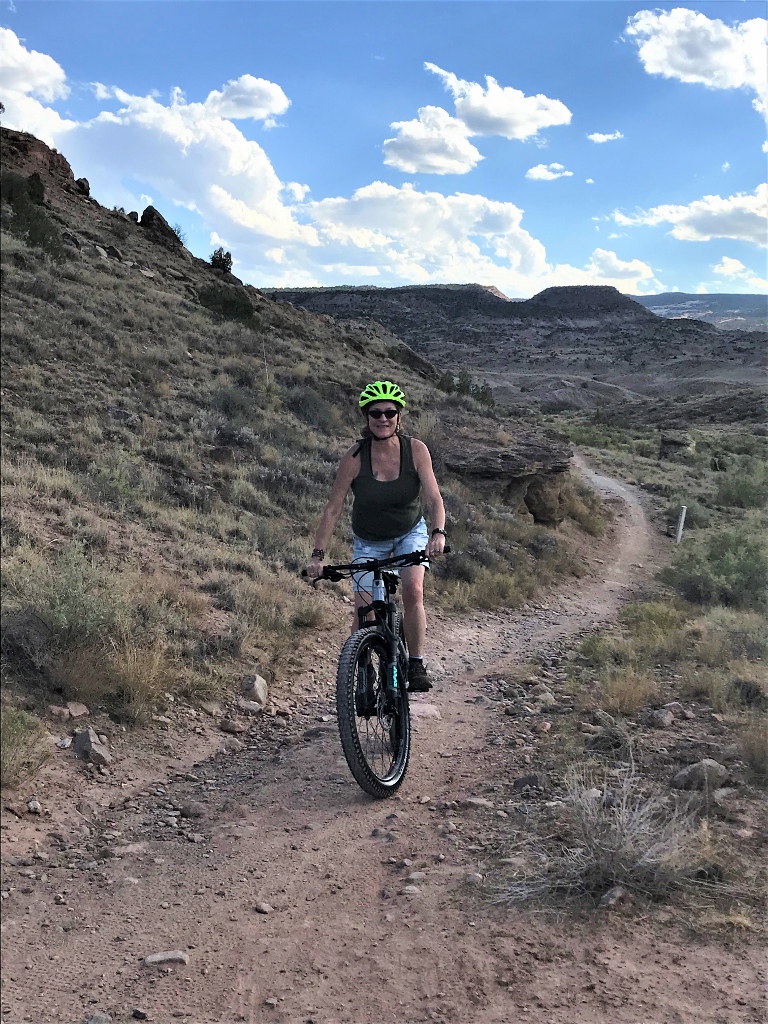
x: 418, y: 680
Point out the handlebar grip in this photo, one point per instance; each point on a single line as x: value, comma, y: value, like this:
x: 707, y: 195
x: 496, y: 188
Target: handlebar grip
x: 447, y: 549
x: 304, y: 572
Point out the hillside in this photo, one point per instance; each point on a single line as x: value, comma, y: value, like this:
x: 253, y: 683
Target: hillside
x: 169, y: 438
x: 730, y: 312
x: 570, y: 347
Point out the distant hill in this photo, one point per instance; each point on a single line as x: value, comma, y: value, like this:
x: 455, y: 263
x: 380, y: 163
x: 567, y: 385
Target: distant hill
x: 732, y: 312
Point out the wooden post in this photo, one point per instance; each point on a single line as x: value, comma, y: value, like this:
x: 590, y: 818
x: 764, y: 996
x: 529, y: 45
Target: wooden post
x: 680, y: 524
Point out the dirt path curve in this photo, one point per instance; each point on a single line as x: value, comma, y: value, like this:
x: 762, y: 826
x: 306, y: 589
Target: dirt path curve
x: 342, y: 940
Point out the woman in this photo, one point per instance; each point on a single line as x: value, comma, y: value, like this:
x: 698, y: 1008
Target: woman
x: 388, y: 473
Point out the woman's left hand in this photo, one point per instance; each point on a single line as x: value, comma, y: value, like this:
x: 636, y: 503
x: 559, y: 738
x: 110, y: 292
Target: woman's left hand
x: 436, y: 545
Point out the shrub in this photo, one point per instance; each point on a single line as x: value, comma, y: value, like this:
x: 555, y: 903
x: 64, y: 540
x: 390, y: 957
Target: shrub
x: 221, y: 260
x: 180, y: 233
x: 754, y: 749
x: 29, y: 220
x: 227, y: 300
x: 744, y: 487
x: 729, y: 567
x: 23, y: 746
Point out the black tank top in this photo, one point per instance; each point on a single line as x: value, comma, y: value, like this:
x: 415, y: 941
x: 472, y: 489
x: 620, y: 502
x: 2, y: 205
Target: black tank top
x: 385, y: 509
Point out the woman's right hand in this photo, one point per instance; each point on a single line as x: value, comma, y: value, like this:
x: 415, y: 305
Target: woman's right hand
x: 315, y: 567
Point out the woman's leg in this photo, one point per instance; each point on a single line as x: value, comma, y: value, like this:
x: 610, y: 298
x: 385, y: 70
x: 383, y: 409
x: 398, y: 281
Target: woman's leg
x: 415, y: 618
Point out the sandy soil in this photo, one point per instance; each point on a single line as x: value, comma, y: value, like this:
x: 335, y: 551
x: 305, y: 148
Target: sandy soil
x: 340, y: 939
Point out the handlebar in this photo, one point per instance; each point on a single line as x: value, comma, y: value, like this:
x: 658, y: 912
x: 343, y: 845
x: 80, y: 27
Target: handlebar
x: 340, y: 572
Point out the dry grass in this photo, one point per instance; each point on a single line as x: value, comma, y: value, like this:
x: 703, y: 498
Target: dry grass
x: 754, y: 748
x: 630, y: 839
x: 24, y: 745
x: 624, y: 691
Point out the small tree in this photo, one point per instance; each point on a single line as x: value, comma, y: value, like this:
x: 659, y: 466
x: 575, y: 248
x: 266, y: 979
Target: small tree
x: 446, y: 382
x: 221, y: 260
x: 180, y: 233
x: 464, y: 383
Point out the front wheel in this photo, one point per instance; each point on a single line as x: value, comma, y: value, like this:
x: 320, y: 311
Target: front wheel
x: 374, y: 723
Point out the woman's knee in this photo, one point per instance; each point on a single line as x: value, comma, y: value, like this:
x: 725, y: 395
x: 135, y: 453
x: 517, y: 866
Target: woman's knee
x: 413, y: 594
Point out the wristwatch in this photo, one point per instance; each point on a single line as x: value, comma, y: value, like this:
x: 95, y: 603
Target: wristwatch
x: 318, y: 553
x: 438, y: 530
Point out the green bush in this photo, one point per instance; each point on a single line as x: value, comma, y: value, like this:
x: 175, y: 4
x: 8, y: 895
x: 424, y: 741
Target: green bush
x: 221, y: 260
x: 729, y: 567
x: 29, y: 220
x: 227, y: 300
x: 746, y: 486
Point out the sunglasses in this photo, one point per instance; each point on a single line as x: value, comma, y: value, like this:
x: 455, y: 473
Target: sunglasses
x: 376, y: 414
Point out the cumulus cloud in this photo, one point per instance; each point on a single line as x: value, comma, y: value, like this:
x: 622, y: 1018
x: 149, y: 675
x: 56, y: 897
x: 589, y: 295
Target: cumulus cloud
x: 29, y: 72
x: 501, y: 110
x: 599, y: 137
x: 606, y: 264
x: 740, y: 274
x: 691, y: 47
x: 742, y: 217
x: 435, y: 143
x: 247, y: 97
x: 547, y: 172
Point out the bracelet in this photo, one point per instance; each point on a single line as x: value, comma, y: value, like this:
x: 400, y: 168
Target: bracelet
x: 318, y: 553
x: 438, y: 530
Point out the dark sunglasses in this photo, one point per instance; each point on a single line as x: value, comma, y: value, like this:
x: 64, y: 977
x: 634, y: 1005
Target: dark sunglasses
x: 376, y: 414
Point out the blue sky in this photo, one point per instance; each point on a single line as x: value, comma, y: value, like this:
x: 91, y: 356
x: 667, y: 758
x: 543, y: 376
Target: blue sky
x: 517, y: 144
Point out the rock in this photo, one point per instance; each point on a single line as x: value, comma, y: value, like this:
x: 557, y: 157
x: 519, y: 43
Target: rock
x: 263, y: 908
x: 210, y: 707
x: 411, y: 890
x: 139, y: 1014
x: 101, y: 251
x: 526, y: 782
x: 416, y: 876
x: 146, y: 273
x: 547, y: 700
x: 255, y: 688
x: 171, y: 956
x: 77, y: 710
x: 618, y: 894
x: 34, y: 806
x: 232, y: 726
x: 133, y: 215
x: 56, y: 711
x: 69, y: 239
x: 250, y: 707
x: 114, y: 253
x: 473, y: 878
x: 421, y: 710
x: 478, y: 801
x: 64, y: 743
x: 542, y: 727
x: 83, y: 186
x: 705, y: 775
x: 232, y: 745
x: 158, y: 229
x: 86, y: 744
x: 676, y: 446
x: 271, y: 1001
x: 662, y: 718
x: 192, y: 809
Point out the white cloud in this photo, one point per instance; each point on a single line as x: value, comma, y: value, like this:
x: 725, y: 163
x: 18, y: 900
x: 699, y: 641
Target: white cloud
x: 742, y: 217
x: 247, y: 97
x: 501, y: 110
x: 729, y: 267
x: 547, y: 172
x: 297, y: 191
x: 28, y: 72
x: 590, y: 181
x: 691, y: 47
x: 435, y: 143
x: 599, y: 137
x: 606, y: 264
x: 726, y: 167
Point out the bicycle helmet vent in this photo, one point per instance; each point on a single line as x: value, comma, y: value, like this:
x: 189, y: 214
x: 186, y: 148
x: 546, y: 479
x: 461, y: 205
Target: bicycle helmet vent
x: 381, y: 391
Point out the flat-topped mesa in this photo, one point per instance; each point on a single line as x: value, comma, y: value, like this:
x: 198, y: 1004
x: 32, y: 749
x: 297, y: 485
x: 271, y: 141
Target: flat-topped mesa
x: 581, y: 300
x: 530, y: 472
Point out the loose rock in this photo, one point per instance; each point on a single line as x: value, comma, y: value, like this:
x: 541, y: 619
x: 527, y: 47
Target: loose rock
x: 170, y: 956
x: 86, y: 744
x: 254, y: 688
x: 706, y: 775
x: 232, y: 725
x: 263, y: 908
x: 662, y: 718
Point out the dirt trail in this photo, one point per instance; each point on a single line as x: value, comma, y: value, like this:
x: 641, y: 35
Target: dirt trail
x: 282, y: 823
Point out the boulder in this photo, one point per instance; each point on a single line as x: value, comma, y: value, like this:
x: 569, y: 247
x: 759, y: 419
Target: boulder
x: 705, y: 775
x: 676, y: 446
x: 158, y: 229
x: 86, y: 744
x: 255, y: 688
x: 82, y: 185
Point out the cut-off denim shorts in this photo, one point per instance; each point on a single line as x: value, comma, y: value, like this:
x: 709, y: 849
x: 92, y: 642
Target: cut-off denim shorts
x: 415, y: 540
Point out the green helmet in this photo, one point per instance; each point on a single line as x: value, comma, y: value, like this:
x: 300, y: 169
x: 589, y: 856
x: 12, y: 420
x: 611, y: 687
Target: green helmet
x: 381, y: 391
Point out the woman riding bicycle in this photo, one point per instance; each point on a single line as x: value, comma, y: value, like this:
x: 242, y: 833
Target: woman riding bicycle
x: 388, y: 472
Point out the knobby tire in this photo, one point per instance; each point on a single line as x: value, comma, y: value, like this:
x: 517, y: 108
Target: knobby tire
x: 377, y: 747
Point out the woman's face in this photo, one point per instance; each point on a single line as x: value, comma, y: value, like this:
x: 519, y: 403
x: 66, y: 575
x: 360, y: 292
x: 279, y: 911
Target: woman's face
x: 383, y: 419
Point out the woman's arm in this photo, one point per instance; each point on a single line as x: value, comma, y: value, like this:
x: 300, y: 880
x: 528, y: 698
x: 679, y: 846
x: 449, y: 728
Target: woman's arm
x: 348, y: 469
x: 433, y: 499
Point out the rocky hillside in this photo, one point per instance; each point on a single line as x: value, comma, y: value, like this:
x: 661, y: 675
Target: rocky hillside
x: 574, y: 347
x: 730, y: 312
x: 169, y: 437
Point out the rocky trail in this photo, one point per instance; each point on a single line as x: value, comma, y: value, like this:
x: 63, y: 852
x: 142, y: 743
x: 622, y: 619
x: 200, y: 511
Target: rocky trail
x: 287, y: 895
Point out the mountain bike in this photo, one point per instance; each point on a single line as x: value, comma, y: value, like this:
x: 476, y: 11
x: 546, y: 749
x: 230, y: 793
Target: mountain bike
x: 372, y: 680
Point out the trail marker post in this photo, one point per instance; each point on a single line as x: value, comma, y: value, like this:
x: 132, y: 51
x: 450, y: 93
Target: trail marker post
x: 680, y: 524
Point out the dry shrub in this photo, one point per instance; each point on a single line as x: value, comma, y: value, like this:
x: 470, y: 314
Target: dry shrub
x: 754, y: 748
x: 585, y: 507
x: 626, y: 690
x: 618, y: 837
x: 308, y: 615
x: 23, y: 745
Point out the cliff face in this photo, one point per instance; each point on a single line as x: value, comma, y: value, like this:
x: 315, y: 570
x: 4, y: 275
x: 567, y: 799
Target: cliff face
x: 27, y: 155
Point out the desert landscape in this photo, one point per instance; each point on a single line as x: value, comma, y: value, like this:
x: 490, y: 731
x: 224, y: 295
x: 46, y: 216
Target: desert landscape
x: 581, y: 835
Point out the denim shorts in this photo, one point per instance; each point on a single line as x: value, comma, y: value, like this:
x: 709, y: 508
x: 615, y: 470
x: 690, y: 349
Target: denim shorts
x: 415, y: 540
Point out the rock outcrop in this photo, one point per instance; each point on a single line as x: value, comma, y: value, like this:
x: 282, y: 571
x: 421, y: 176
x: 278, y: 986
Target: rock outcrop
x: 26, y: 155
x: 530, y: 473
x: 158, y: 228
